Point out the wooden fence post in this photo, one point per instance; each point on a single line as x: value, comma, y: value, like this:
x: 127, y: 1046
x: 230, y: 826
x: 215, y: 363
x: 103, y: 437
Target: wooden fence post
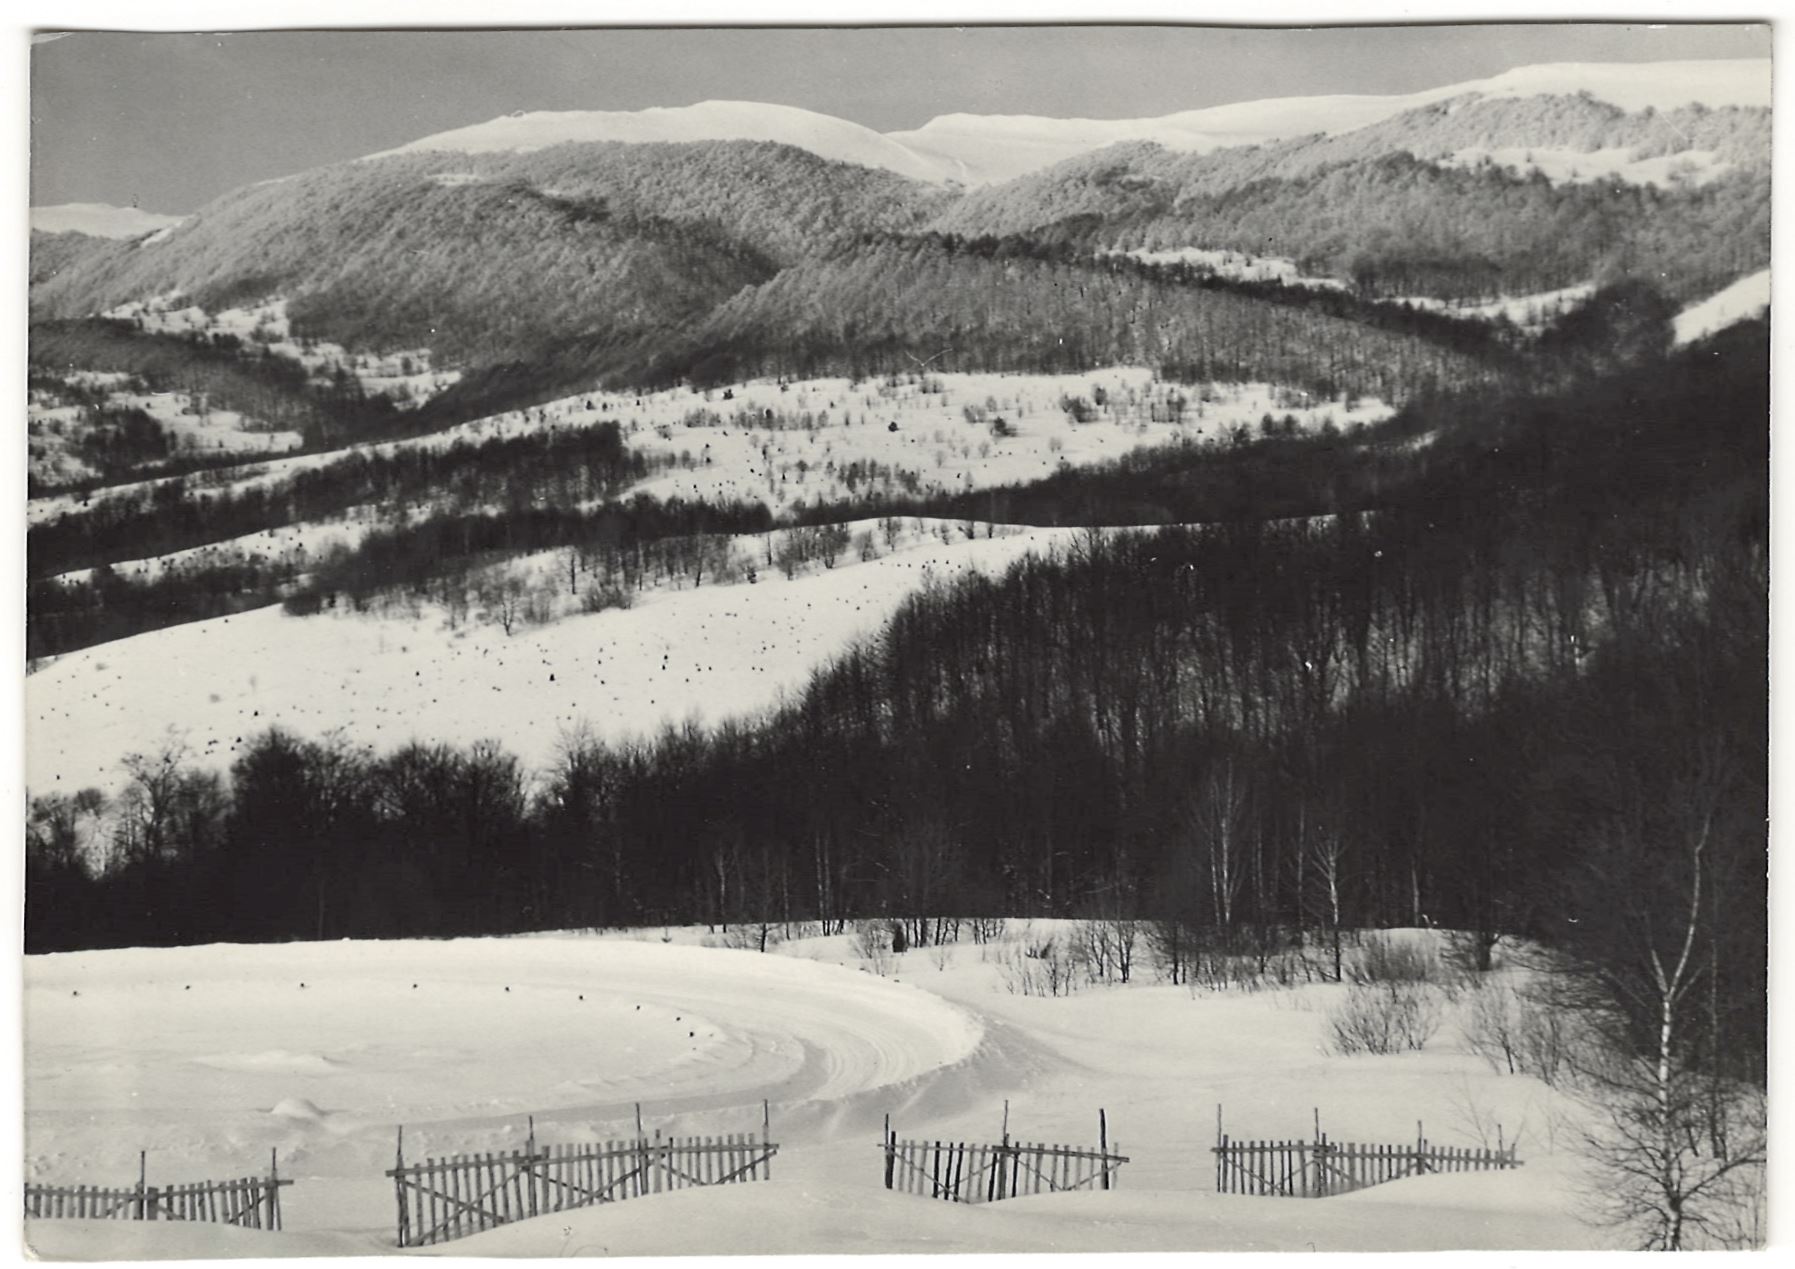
x: 641, y: 1155
x: 142, y: 1174
x: 1103, y: 1143
x: 399, y: 1190
x: 890, y: 1144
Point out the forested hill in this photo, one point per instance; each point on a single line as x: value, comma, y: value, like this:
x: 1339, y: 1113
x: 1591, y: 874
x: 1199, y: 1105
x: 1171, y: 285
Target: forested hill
x: 488, y: 256
x: 632, y: 263
x: 1392, y: 223
x: 886, y: 304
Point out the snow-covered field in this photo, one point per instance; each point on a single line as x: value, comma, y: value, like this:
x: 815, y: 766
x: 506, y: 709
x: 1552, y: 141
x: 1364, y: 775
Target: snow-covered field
x: 828, y: 439
x: 207, y: 1058
x: 707, y: 653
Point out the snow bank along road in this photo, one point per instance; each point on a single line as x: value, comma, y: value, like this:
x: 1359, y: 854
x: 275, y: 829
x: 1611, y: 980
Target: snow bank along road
x: 209, y: 1057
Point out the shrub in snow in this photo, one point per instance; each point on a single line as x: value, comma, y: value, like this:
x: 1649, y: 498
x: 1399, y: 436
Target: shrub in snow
x: 1108, y: 947
x: 1382, y: 959
x: 600, y: 598
x: 1517, y: 1030
x: 753, y: 936
x: 1384, y: 1017
x: 1046, y: 967
x: 873, y: 944
x: 985, y: 929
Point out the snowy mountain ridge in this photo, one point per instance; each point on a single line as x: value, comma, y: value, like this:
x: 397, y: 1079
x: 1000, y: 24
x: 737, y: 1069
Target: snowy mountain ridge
x: 973, y: 149
x: 981, y: 149
x: 99, y: 220
x: 822, y: 135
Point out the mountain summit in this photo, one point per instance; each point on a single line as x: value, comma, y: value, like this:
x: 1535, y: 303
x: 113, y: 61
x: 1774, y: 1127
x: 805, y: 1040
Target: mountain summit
x: 822, y: 135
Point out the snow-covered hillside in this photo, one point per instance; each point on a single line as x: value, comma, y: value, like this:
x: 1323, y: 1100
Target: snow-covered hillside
x: 1744, y: 299
x: 708, y: 653
x: 206, y: 1058
x: 823, y: 135
x: 825, y: 440
x: 99, y: 220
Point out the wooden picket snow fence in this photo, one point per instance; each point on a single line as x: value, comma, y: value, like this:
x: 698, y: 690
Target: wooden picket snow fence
x: 1319, y: 1168
x: 251, y: 1202
x: 458, y: 1195
x: 976, y: 1172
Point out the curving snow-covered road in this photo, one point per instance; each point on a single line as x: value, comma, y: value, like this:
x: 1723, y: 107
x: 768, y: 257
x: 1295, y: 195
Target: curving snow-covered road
x: 209, y: 1057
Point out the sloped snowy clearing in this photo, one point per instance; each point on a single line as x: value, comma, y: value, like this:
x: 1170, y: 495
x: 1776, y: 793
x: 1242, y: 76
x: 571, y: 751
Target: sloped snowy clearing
x: 1532, y: 313
x: 796, y: 441
x: 1744, y: 299
x: 708, y: 653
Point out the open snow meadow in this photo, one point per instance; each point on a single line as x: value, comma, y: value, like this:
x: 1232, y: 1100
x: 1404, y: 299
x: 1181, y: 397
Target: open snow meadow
x: 214, y: 1056
x: 557, y: 561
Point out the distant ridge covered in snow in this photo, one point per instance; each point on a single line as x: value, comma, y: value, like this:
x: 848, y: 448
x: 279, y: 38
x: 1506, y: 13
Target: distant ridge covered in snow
x: 822, y: 135
x: 982, y: 149
x: 988, y: 148
x: 99, y: 220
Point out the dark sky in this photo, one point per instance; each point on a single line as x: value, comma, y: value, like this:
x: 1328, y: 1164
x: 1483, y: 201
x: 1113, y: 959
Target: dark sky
x: 167, y: 122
